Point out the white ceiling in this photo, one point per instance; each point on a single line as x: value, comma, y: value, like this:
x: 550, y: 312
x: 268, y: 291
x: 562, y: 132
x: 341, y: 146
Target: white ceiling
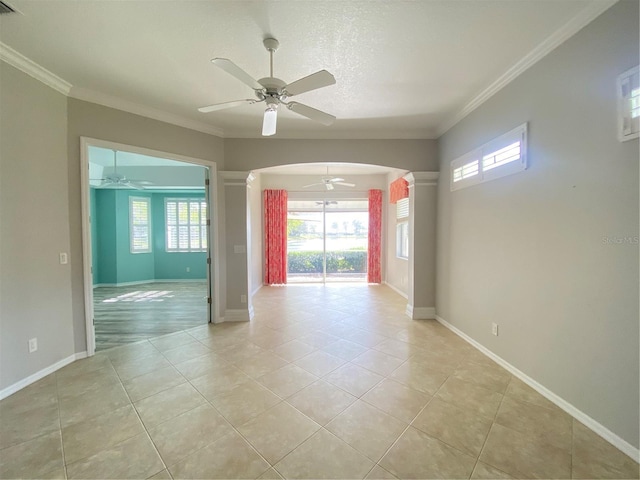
x: 321, y: 169
x: 403, y: 69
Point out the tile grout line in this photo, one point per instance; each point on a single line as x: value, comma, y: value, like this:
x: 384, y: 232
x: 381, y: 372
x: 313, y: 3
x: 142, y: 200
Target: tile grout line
x: 233, y: 427
x: 399, y: 437
x: 140, y: 419
x: 495, y: 416
x: 64, y: 460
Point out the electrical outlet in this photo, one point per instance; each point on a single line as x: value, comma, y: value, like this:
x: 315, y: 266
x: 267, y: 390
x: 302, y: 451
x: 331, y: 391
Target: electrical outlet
x: 494, y: 329
x: 243, y: 298
x: 64, y: 259
x: 188, y: 269
x: 33, y: 345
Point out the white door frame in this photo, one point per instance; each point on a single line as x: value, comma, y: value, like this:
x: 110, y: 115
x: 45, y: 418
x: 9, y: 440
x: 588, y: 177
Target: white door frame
x: 214, y: 271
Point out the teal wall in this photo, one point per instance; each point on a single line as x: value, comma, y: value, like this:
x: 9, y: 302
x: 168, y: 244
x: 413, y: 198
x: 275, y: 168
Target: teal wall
x: 113, y: 261
x: 105, y: 226
x: 94, y: 235
x: 132, y: 267
x: 173, y: 265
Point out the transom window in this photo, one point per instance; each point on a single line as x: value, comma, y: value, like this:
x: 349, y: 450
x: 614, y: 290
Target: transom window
x: 186, y: 221
x: 500, y: 157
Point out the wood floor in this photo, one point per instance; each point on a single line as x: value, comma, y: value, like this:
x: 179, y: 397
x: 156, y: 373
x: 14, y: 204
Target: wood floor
x: 139, y: 312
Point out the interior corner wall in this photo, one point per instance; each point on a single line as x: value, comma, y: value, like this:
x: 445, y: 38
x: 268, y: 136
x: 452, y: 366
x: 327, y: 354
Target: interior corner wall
x: 104, y: 123
x: 255, y: 235
x: 105, y: 270
x: 35, y: 289
x: 551, y: 253
x: 397, y: 269
x: 95, y: 259
x: 131, y: 267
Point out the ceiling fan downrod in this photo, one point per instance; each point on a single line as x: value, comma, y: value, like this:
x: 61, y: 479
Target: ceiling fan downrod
x: 271, y: 44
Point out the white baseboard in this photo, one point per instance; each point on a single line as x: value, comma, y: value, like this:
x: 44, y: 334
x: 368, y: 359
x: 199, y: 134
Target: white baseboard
x: 153, y: 280
x: 420, y: 313
x: 251, y: 312
x: 25, y: 382
x: 579, y: 415
x: 397, y: 290
x: 236, y: 316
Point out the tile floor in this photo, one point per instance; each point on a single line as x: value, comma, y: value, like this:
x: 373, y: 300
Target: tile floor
x: 326, y: 382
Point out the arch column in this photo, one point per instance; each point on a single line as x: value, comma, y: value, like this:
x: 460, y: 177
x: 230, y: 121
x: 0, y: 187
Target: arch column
x: 422, y: 244
x: 236, y: 287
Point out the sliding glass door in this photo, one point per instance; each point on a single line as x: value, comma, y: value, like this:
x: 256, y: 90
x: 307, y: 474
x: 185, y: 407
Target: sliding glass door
x: 327, y: 240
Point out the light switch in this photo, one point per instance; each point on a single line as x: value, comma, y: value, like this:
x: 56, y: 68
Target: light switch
x: 63, y: 259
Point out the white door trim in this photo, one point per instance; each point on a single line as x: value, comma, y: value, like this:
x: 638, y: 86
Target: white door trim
x: 214, y: 272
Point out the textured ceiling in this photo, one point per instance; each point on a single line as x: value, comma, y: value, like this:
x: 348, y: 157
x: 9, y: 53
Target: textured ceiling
x: 403, y: 68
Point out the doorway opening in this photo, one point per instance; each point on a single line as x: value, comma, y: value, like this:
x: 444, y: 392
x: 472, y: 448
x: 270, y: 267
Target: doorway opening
x: 327, y: 240
x: 147, y: 243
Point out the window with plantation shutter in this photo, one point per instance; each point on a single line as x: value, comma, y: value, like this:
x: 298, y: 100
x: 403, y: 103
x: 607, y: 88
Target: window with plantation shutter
x: 186, y: 224
x: 629, y: 104
x: 500, y: 157
x: 402, y: 208
x: 140, y: 224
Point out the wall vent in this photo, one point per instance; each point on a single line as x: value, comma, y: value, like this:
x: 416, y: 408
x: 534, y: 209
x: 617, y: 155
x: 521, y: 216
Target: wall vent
x: 5, y: 8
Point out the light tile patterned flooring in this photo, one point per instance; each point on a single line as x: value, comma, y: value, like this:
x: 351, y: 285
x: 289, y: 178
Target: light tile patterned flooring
x: 327, y: 382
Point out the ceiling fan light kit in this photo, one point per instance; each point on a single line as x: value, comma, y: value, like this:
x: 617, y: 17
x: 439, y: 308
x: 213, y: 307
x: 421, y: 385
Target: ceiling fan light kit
x: 275, y: 92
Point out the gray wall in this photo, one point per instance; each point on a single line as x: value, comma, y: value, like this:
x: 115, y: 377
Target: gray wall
x: 104, y: 123
x: 236, y: 211
x: 35, y: 290
x: 250, y: 154
x: 528, y: 251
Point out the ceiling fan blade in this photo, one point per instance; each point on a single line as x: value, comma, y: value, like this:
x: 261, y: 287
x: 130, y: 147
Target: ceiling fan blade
x: 235, y: 71
x: 312, y: 113
x: 130, y: 184
x: 312, y: 82
x: 269, y: 122
x: 345, y: 184
x: 336, y: 179
x: 312, y: 185
x: 222, y: 106
x: 329, y: 186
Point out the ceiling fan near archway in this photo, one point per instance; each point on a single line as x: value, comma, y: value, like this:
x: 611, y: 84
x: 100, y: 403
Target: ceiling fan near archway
x: 119, y: 180
x: 329, y: 182
x: 275, y: 92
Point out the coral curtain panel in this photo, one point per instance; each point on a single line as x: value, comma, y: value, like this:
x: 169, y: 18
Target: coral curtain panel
x: 398, y: 190
x: 275, y: 237
x: 375, y: 236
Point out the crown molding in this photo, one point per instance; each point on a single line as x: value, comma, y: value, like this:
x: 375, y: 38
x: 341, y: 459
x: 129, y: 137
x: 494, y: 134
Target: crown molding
x: 31, y: 68
x: 422, y: 178
x: 569, y: 29
x: 142, y: 110
x: 234, y: 179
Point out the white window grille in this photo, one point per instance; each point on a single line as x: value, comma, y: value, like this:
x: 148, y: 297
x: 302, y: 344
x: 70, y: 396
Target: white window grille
x: 186, y: 225
x: 502, y: 156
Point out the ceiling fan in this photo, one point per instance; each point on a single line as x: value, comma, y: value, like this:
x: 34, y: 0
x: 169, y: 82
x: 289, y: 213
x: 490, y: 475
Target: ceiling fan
x: 275, y: 92
x: 118, y: 180
x: 329, y: 182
